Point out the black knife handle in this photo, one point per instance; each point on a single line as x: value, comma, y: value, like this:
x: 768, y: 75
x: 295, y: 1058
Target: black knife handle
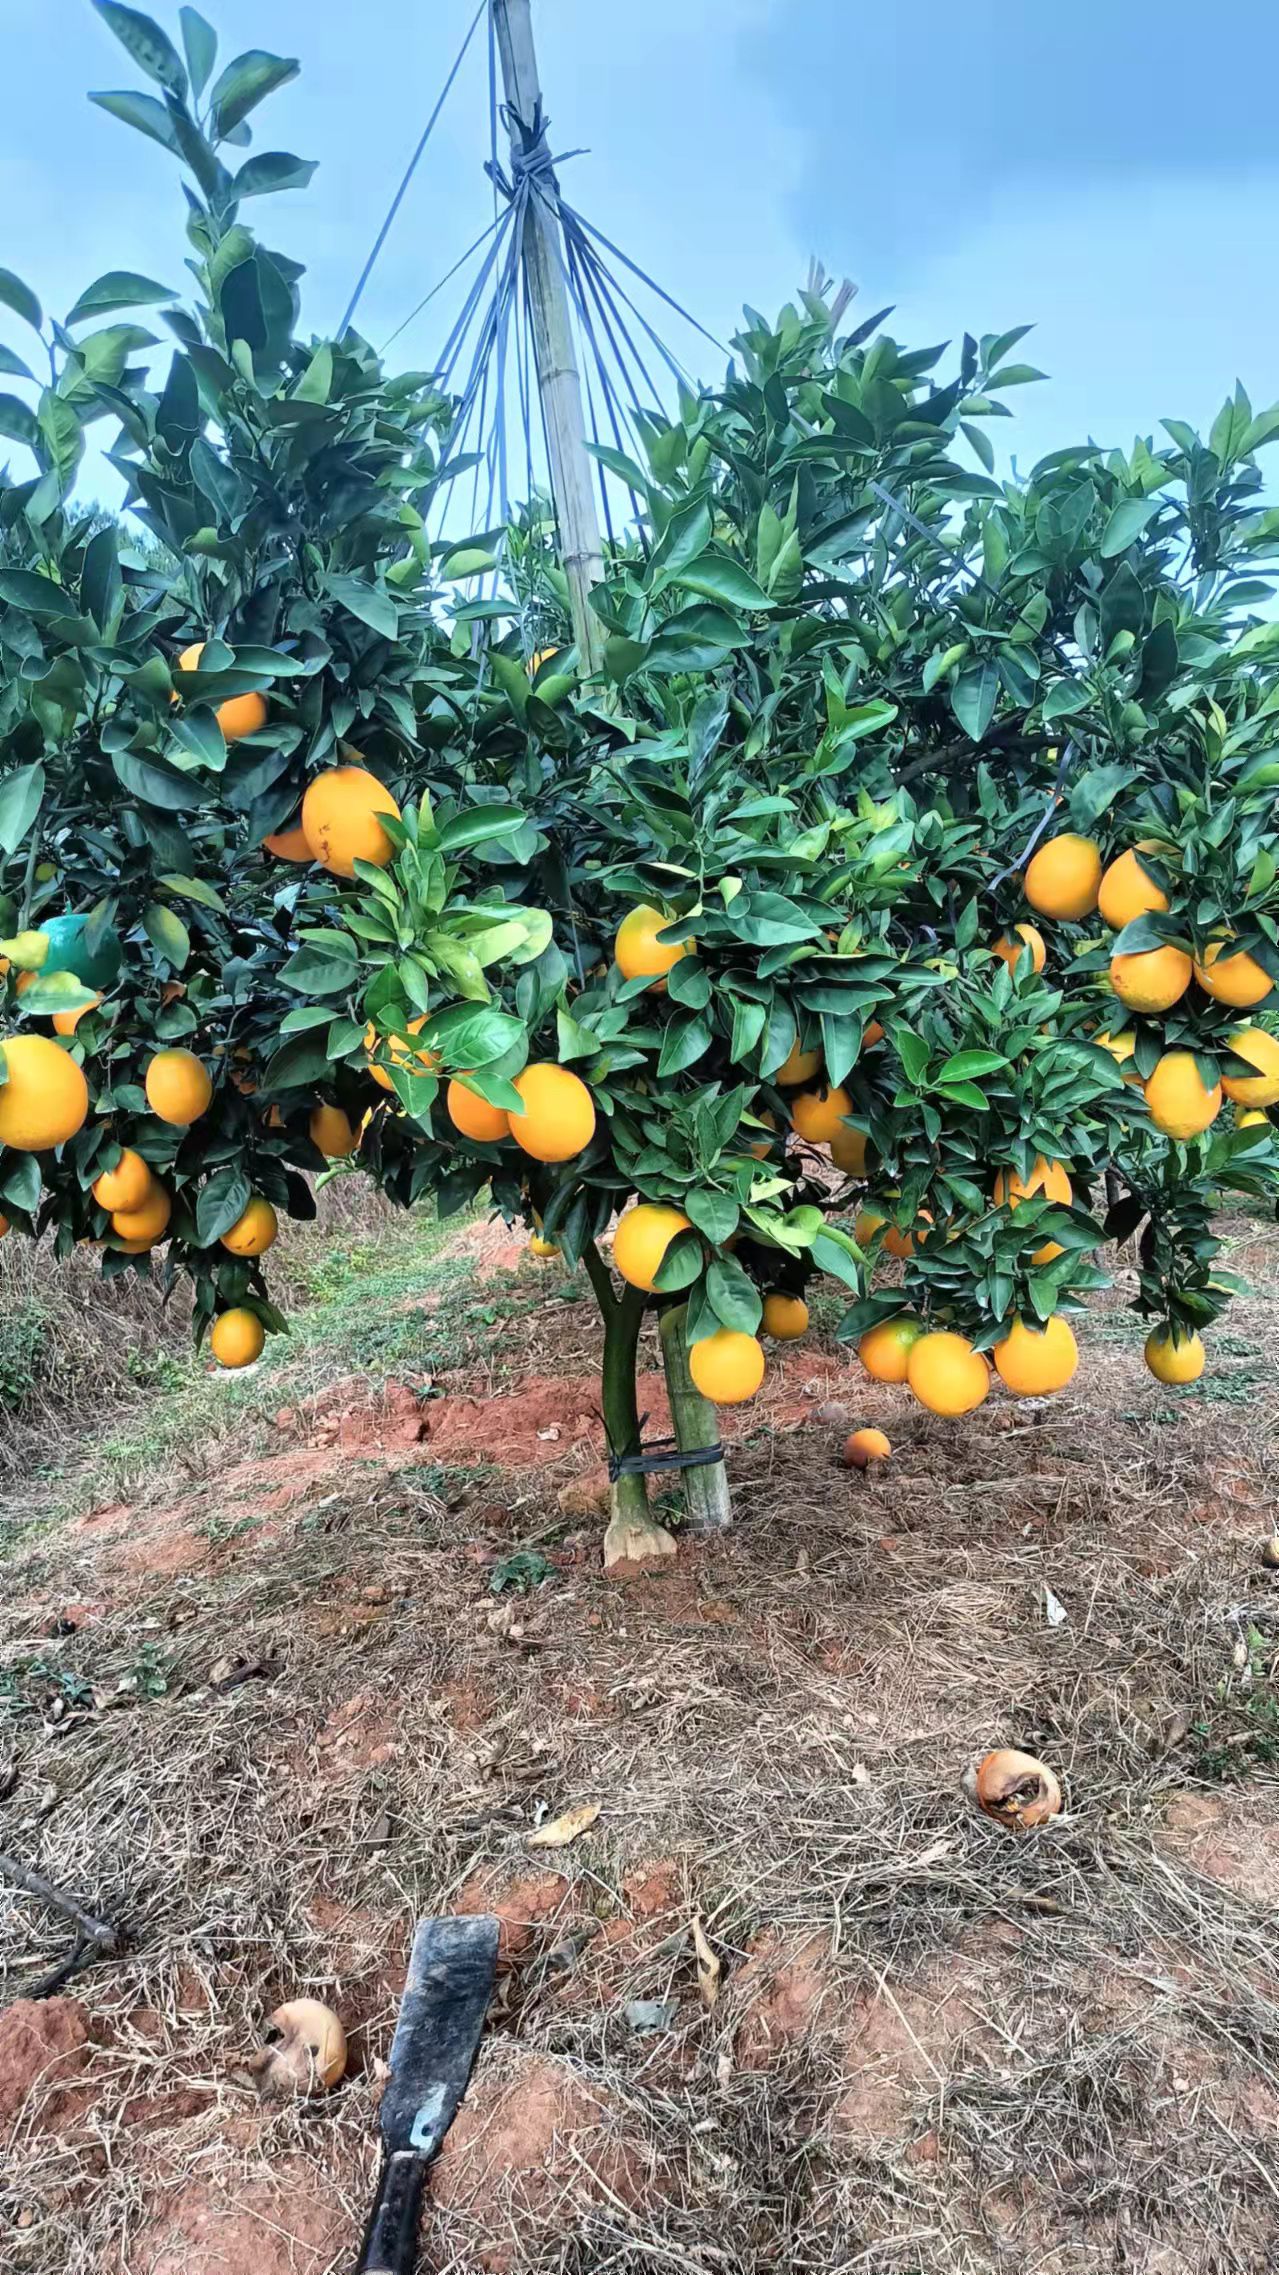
x: 390, y: 2239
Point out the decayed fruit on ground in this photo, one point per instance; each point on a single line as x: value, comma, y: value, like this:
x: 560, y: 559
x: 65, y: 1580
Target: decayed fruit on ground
x: 797, y: 1066
x: 1048, y: 1181
x: 641, y: 1240
x: 785, y: 1316
x: 727, y: 1367
x: 44, y: 1099
x: 253, y: 1232
x: 639, y: 952
x: 1034, y: 1362
x: 178, y: 1087
x: 817, y: 1114
x: 557, y: 1120
x: 1175, y: 1361
x: 474, y: 1116
x: 237, y: 1338
x: 1261, y: 1052
x: 340, y: 819
x: 1025, y: 939
x: 946, y: 1374
x: 1232, y: 976
x: 1181, y: 1103
x: 1063, y: 878
x: 863, y: 1447
x: 848, y: 1148
x: 124, y: 1187
x: 240, y: 715
x: 1127, y: 892
x: 885, y: 1350
x: 149, y: 1221
x: 1152, y: 980
x: 1017, y: 1789
x: 331, y: 1132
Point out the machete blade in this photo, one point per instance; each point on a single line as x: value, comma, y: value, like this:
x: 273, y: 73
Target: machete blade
x: 450, y: 1982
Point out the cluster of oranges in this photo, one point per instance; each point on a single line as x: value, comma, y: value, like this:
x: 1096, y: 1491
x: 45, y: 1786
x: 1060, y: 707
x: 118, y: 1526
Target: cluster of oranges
x: 949, y: 1377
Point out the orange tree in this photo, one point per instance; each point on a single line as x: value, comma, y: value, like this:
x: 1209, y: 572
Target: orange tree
x: 836, y: 895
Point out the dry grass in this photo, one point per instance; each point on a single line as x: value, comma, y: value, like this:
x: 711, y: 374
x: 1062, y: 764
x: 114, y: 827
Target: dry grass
x: 1057, y: 2054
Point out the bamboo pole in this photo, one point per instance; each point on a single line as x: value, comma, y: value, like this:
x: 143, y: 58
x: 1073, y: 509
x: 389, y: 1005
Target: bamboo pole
x: 572, y: 473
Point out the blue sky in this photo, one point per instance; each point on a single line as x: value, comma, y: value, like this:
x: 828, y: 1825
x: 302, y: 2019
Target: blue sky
x: 1109, y: 173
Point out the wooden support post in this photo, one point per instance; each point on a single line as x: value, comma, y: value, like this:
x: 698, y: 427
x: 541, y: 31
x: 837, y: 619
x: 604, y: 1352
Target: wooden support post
x: 571, y: 467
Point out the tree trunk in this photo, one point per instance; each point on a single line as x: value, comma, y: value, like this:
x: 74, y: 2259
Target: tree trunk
x: 633, y: 1537
x: 696, y: 1424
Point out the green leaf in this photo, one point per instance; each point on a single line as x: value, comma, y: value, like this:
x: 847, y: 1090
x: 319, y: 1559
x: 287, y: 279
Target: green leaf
x: 20, y: 1182
x: 368, y: 602
x: 273, y: 170
x: 12, y: 365
x: 62, y: 436
x: 696, y: 639
x: 119, y: 288
x: 167, y: 934
x: 150, y: 48
x: 193, y: 889
x: 1126, y: 523
x: 1123, y: 605
x: 222, y: 1202
x: 833, y: 1252
x: 20, y: 796
x: 477, y: 825
x: 715, y: 1214
x: 201, y: 44
x: 685, y: 1042
x: 156, y: 784
x: 198, y: 732
x: 681, y: 1265
x: 1063, y: 697
x: 973, y: 698
x: 733, y: 1295
x: 101, y: 584
x: 316, y: 382
x: 1262, y: 429
x: 980, y: 442
x: 143, y: 112
x: 1014, y: 375
x: 243, y: 85
x: 19, y: 296
x: 18, y: 421
x: 963, y: 1066
x: 720, y: 578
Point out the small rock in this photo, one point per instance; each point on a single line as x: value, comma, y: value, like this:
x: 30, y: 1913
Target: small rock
x: 649, y: 2016
x: 832, y: 1414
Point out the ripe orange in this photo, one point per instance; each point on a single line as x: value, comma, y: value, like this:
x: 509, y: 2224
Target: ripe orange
x: 474, y: 1116
x: 639, y: 952
x: 1121, y: 1048
x: 1251, y: 1118
x: 415, y: 1062
x: 641, y: 1240
x: 538, y: 1245
x: 785, y: 1316
x: 1047, y: 1181
x: 1237, y: 979
x: 946, y: 1374
x: 1027, y: 937
x: 1034, y: 1363
x: 1174, y: 1362
x: 254, y: 1232
x: 66, y: 1022
x: 289, y: 844
x: 1179, y: 1104
x: 817, y: 1114
x: 44, y: 1099
x: 1152, y: 980
x: 241, y: 714
x: 727, y: 1367
x: 124, y: 1187
x: 340, y: 819
x: 1064, y: 878
x: 872, y: 1035
x: 798, y: 1066
x: 149, y: 1220
x: 129, y: 1247
x: 331, y: 1132
x: 1262, y: 1052
x: 864, y: 1447
x: 870, y: 1221
x: 1127, y: 892
x: 178, y: 1087
x: 237, y: 1339
x: 558, y: 1117
x: 848, y: 1149
x: 536, y: 661
x: 885, y: 1350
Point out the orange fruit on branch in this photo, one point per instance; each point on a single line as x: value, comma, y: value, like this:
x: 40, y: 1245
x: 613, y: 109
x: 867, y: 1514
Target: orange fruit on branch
x: 946, y: 1374
x: 639, y: 952
x: 1174, y: 1361
x: 240, y: 715
x: 340, y: 819
x: 1063, y: 878
x: 44, y: 1099
x: 1047, y: 1181
x: 1180, y: 1102
x: 149, y: 1220
x: 1152, y: 979
x: 1127, y: 892
x: 1232, y: 977
x: 178, y: 1087
x: 331, y: 1132
x: 785, y: 1316
x: 641, y: 1240
x: 237, y: 1338
x: 797, y: 1066
x: 254, y: 1232
x: 1033, y: 1362
x: 817, y: 1114
x: 290, y: 844
x: 124, y: 1187
x: 727, y: 1367
x: 414, y: 1062
x: 557, y: 1116
x: 885, y: 1350
x: 474, y: 1116
x: 848, y: 1149
x: 1027, y: 940
x: 1261, y: 1051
